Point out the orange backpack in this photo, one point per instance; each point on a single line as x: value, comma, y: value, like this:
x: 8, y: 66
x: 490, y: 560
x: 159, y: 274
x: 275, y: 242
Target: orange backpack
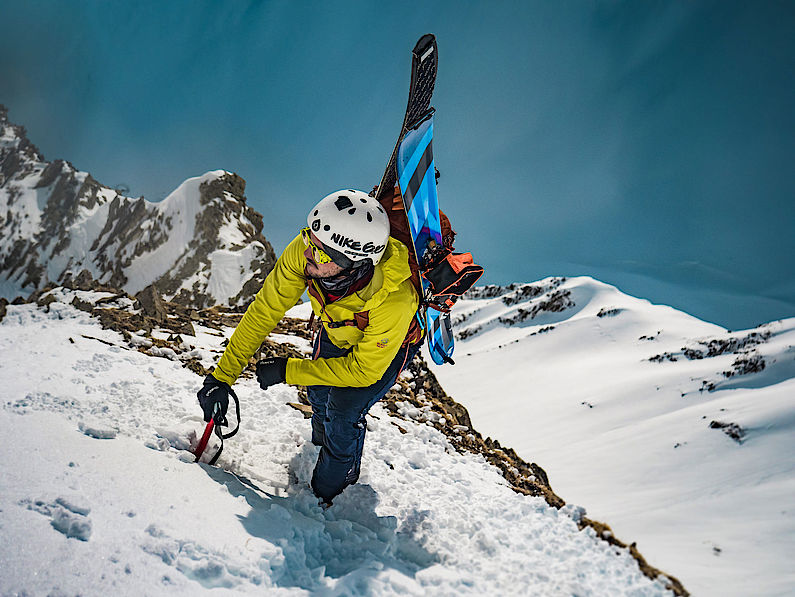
x: 449, y: 274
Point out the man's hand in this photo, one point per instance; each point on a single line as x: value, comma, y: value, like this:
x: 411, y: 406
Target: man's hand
x: 214, y: 393
x: 271, y: 371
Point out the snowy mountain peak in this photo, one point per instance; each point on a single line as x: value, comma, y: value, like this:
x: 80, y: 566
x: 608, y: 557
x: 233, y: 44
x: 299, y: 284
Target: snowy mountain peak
x: 202, y: 245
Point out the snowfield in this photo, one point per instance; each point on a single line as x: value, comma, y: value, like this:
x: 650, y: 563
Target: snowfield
x: 677, y: 432
x: 99, y: 493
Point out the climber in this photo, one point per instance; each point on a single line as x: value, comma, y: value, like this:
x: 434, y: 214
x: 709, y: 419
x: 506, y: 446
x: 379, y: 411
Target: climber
x: 359, y: 283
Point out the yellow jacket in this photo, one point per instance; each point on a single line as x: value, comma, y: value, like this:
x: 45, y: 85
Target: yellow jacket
x: 390, y: 299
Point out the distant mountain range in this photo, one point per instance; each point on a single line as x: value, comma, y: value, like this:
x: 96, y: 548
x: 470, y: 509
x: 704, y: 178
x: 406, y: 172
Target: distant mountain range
x: 202, y: 245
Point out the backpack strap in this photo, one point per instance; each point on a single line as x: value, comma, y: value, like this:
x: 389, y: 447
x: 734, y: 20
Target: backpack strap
x: 399, y: 229
x: 415, y: 333
x: 360, y: 320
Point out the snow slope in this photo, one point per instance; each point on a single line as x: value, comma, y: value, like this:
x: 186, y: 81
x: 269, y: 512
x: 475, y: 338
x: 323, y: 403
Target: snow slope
x: 100, y: 496
x: 676, y: 431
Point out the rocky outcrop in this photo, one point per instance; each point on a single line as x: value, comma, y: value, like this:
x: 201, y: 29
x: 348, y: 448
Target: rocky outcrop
x: 58, y: 222
x: 151, y: 304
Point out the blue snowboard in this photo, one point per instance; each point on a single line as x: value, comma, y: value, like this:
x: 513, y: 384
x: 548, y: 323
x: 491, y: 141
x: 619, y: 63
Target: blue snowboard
x: 417, y: 179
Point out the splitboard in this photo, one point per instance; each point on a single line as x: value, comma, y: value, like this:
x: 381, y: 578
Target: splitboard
x: 424, y: 62
x: 411, y: 166
x: 417, y: 179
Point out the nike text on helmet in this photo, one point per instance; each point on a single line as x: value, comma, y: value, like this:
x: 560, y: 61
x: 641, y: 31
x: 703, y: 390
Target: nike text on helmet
x: 352, y: 223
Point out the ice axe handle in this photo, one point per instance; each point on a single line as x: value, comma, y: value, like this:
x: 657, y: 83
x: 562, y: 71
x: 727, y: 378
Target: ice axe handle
x: 208, y: 430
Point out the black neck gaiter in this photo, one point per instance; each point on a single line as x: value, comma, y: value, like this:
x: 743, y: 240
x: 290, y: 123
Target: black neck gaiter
x: 347, y: 281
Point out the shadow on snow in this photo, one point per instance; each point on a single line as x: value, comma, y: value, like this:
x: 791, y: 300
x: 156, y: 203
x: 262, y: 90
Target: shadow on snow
x: 349, y: 540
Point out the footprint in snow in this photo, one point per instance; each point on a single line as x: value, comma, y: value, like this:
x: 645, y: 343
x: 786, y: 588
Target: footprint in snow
x: 97, y: 430
x: 68, y: 518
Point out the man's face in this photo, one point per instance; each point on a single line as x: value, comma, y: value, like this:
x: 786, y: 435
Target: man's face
x: 321, y: 270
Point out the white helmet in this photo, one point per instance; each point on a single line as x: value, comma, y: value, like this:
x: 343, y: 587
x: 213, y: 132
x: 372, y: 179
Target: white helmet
x: 352, y: 223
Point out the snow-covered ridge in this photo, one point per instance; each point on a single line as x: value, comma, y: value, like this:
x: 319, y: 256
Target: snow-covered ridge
x: 677, y: 431
x: 106, y: 442
x: 492, y: 317
x: 202, y: 245
x: 523, y: 310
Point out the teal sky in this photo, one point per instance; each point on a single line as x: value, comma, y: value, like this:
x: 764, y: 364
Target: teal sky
x: 650, y: 144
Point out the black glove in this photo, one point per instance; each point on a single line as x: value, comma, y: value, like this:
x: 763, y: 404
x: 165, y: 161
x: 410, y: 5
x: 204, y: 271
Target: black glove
x: 214, y: 393
x: 271, y: 371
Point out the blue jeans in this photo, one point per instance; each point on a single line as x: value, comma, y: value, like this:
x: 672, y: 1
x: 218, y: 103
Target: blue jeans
x: 338, y: 420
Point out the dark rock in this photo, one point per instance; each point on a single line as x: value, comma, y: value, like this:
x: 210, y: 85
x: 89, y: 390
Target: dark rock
x: 84, y: 281
x: 122, y: 321
x: 82, y: 305
x: 180, y: 326
x: 468, y: 332
x: 516, y: 292
x: 3, y: 310
x: 527, y: 291
x: 196, y: 366
x: 733, y: 430
x: 692, y: 354
x: 650, y: 338
x: 745, y: 365
x: 46, y: 301
x: 152, y: 304
x: 707, y: 386
x: 719, y: 346
x: 35, y: 296
x: 110, y: 299
x: 556, y: 302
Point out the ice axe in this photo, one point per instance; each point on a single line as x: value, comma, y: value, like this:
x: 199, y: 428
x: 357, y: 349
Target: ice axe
x: 218, y: 420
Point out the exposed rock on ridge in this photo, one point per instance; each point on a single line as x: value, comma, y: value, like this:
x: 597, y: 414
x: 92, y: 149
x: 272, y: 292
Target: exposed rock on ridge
x: 200, y: 246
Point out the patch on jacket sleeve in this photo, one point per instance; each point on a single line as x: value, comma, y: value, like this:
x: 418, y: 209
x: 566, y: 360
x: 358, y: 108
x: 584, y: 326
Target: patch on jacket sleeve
x: 382, y: 343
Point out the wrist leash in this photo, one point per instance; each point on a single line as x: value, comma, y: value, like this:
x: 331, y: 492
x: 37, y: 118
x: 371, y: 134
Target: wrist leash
x: 218, y: 421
